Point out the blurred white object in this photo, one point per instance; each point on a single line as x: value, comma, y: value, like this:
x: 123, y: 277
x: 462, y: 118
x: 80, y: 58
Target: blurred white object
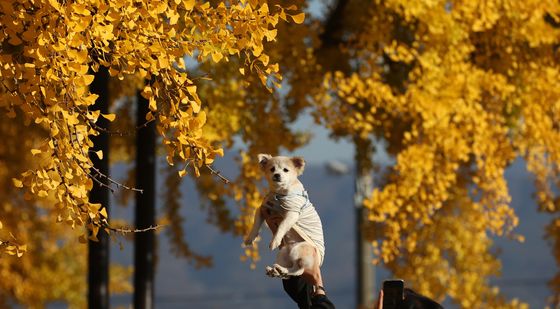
x: 337, y: 168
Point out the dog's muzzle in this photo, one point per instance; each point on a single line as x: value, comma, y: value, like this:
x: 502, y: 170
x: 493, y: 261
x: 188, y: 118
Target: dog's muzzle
x: 276, y: 177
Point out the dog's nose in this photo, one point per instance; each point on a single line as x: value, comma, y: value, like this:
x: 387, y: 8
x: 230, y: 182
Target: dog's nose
x: 276, y: 177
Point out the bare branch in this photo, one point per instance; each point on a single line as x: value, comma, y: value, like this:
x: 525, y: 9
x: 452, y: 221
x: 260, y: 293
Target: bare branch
x: 145, y: 124
x: 110, y: 132
x: 125, y: 230
x: 102, y: 184
x: 118, y: 184
x: 116, y: 132
x: 217, y: 173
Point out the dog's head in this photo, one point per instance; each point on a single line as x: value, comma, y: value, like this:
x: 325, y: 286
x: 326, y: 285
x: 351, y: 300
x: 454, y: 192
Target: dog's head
x: 281, y: 172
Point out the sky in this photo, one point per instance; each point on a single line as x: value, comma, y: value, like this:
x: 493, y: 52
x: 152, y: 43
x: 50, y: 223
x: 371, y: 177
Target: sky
x: 321, y: 148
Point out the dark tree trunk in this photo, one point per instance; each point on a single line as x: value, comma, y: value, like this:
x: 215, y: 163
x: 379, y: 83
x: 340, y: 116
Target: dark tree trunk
x: 144, y: 242
x: 98, y: 253
x: 365, y: 270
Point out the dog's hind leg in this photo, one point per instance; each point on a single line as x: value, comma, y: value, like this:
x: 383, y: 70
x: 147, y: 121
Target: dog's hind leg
x: 297, y: 270
x: 306, y: 263
x: 303, y: 259
x: 279, y: 268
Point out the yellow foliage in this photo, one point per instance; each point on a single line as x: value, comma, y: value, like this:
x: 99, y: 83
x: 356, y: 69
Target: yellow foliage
x: 37, y: 257
x: 49, y: 51
x: 239, y: 109
x: 45, y: 62
x: 40, y: 261
x: 457, y: 91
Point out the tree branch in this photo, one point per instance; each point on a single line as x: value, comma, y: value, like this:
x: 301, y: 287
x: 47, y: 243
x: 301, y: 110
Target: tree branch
x: 217, y: 173
x: 124, y: 230
x: 118, y: 184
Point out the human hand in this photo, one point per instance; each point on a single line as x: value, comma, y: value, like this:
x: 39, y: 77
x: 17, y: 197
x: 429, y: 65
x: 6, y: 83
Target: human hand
x: 249, y: 241
x: 380, y: 300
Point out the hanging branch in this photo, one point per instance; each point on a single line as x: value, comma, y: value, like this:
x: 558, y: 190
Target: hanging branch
x: 126, y: 230
x: 116, y: 132
x: 118, y: 184
x: 217, y: 173
x: 102, y: 184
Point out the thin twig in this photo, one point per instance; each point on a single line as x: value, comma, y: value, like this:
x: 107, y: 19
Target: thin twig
x: 118, y: 184
x: 102, y: 184
x: 6, y: 243
x: 117, y: 132
x: 217, y: 173
x: 107, y: 131
x: 145, y: 124
x: 124, y: 230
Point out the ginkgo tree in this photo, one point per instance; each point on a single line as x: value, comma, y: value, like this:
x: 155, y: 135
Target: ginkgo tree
x: 49, y: 51
x: 49, y: 48
x: 247, y: 119
x: 44, y: 266
x: 456, y: 90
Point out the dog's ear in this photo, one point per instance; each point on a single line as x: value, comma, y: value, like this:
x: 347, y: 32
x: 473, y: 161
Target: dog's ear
x: 299, y: 164
x: 263, y: 159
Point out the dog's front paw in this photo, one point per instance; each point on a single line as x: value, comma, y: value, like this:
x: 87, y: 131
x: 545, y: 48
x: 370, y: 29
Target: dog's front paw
x: 275, y: 243
x: 271, y: 271
x: 247, y: 243
x: 281, y: 271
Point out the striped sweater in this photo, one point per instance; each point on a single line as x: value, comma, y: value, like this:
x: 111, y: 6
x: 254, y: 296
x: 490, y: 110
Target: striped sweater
x: 309, y: 225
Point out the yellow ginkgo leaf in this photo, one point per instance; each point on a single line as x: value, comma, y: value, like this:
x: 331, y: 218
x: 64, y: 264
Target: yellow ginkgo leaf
x: 298, y: 18
x: 189, y: 4
x: 82, y: 239
x: 152, y: 104
x: 219, y: 151
x: 182, y: 172
x: 191, y: 89
x: 103, y: 212
x: 18, y: 183
x: 109, y: 117
x: 88, y: 79
x: 217, y: 57
x: 195, y: 106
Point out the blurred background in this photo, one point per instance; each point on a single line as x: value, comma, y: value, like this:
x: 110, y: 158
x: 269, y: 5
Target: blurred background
x: 430, y: 131
x: 527, y: 267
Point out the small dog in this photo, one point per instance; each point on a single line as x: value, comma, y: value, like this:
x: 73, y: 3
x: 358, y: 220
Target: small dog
x: 293, y: 220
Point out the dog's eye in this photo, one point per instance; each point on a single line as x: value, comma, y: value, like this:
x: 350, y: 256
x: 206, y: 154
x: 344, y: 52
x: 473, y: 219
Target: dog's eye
x: 272, y: 169
x: 285, y: 170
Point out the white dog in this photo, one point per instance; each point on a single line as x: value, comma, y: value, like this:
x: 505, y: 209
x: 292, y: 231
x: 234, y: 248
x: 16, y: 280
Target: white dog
x: 295, y: 224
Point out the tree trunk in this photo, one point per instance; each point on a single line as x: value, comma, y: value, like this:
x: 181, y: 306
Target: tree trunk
x: 144, y: 242
x: 364, y: 254
x: 98, y: 253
